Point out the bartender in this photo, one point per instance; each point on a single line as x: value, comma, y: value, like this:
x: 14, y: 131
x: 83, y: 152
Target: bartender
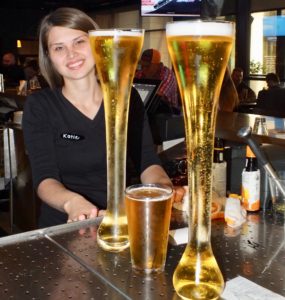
x: 64, y: 126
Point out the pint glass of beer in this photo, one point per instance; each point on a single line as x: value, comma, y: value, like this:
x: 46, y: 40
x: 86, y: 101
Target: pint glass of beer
x: 116, y: 53
x: 199, y: 52
x: 148, y: 210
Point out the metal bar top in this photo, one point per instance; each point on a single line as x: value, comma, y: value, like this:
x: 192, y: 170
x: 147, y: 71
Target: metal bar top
x: 65, y: 262
x: 228, y: 124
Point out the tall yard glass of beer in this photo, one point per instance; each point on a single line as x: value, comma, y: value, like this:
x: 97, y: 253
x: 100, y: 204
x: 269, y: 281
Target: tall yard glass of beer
x: 116, y: 53
x: 199, y: 52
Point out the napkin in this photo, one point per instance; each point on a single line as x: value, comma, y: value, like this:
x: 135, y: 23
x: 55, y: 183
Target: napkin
x: 235, y: 214
x: 178, y: 236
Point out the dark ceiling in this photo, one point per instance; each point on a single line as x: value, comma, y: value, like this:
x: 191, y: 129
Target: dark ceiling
x: 52, y: 4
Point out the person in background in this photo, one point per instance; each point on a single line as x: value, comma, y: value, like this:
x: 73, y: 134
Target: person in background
x: 270, y: 100
x: 245, y: 93
x: 31, y: 68
x: 64, y: 126
x: 11, y: 71
x: 151, y: 67
x: 229, y: 99
x: 32, y: 73
x: 272, y: 81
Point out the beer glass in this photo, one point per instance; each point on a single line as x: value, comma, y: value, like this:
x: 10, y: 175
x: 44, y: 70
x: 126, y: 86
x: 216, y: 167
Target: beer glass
x: 199, y: 52
x: 148, y: 210
x: 116, y: 53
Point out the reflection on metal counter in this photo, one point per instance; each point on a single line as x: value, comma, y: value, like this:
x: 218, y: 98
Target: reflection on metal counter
x: 65, y: 262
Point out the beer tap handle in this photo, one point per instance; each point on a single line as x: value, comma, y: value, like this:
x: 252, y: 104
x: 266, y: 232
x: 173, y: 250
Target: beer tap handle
x: 245, y: 133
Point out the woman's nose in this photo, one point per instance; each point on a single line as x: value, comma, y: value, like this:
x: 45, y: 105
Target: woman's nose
x: 70, y: 52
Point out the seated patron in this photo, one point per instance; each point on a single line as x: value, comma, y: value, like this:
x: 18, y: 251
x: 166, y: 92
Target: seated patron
x: 272, y: 81
x: 32, y: 73
x: 153, y: 68
x: 270, y: 101
x: 12, y: 72
x: 245, y: 93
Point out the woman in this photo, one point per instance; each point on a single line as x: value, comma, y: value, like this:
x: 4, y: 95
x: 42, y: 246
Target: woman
x: 64, y: 127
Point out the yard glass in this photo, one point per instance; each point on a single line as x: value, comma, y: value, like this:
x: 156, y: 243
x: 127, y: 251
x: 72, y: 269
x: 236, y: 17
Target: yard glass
x: 199, y: 52
x: 116, y: 53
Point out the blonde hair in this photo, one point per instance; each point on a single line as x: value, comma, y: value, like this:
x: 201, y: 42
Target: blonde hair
x: 64, y: 17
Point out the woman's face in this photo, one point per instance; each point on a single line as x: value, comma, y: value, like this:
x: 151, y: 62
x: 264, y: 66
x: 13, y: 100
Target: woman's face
x: 70, y: 53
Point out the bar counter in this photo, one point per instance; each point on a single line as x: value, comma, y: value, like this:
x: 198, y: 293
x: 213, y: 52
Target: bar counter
x: 228, y: 124
x: 65, y: 262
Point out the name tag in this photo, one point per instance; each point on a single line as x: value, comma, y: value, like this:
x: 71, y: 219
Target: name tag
x: 72, y: 136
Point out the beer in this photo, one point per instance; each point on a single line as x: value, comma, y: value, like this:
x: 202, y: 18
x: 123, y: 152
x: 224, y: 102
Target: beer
x: 148, y: 210
x: 209, y: 284
x: 116, y: 53
x: 199, y: 52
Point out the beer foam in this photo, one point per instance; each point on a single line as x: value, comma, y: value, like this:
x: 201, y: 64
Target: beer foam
x: 197, y: 28
x: 137, y: 194
x: 117, y: 32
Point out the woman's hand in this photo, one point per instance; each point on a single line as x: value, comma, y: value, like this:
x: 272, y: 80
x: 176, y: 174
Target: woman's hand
x: 178, y: 193
x: 57, y: 196
x: 78, y: 209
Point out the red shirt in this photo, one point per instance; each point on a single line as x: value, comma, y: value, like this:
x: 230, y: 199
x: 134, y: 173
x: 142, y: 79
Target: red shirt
x: 168, y: 87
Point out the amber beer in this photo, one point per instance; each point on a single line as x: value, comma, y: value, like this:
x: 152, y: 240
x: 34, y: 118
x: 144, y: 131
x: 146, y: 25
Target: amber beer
x: 148, y: 211
x: 199, y: 52
x: 116, y: 53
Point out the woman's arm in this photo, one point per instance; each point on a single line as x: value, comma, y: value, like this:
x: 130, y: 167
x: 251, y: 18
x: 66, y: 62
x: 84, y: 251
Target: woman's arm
x: 74, y: 205
x: 156, y: 174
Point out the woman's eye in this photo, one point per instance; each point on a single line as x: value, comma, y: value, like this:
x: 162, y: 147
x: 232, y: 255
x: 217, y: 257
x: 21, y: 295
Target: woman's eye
x: 58, y: 49
x: 80, y: 42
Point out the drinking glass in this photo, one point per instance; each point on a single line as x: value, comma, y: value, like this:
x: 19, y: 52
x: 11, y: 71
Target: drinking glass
x: 199, y: 52
x: 148, y: 210
x: 116, y: 53
x: 277, y: 197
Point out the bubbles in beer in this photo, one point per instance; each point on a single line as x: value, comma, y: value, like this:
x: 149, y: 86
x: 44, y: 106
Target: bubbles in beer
x: 116, y: 54
x: 148, y: 211
x: 199, y: 55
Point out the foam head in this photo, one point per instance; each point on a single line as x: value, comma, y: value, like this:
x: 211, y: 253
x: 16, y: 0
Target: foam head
x: 199, y: 28
x: 116, y: 32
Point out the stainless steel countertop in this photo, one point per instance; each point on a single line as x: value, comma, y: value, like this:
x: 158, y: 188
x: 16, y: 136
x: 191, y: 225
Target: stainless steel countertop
x: 65, y: 262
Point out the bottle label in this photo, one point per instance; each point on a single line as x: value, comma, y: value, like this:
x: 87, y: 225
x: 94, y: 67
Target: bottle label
x: 251, y: 190
x: 220, y: 178
x: 218, y: 155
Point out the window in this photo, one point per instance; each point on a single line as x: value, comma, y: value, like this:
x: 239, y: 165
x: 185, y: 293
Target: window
x: 267, y: 43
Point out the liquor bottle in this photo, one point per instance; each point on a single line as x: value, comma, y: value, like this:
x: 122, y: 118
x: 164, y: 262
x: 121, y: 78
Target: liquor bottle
x: 219, y: 168
x: 219, y: 150
x: 251, y: 182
